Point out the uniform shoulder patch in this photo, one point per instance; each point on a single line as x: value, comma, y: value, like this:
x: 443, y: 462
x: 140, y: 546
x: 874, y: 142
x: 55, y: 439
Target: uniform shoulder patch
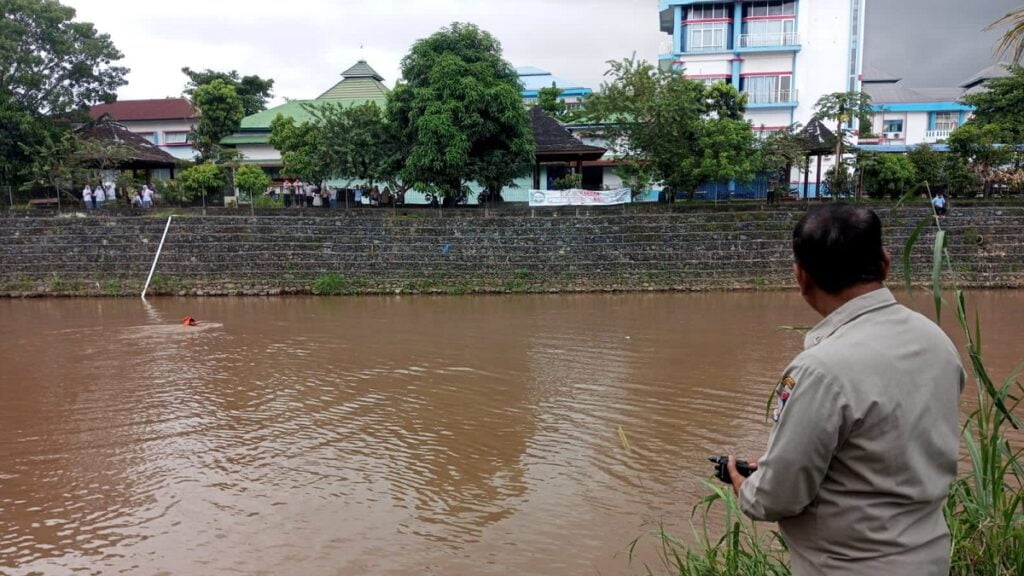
x: 785, y: 390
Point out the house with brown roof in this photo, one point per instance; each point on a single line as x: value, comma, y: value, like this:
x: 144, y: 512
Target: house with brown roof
x: 164, y: 122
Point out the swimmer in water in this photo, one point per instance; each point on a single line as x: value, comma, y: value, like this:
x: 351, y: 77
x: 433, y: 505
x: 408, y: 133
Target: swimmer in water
x: 189, y: 321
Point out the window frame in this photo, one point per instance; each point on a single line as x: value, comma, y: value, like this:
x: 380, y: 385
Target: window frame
x: 168, y: 134
x: 886, y: 125
x: 711, y: 28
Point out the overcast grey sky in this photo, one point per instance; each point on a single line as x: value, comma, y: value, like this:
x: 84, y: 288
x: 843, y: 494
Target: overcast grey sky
x: 932, y: 43
x: 305, y: 44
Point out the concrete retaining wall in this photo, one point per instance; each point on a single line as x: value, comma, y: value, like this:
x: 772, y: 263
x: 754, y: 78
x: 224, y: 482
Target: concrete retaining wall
x: 418, y: 251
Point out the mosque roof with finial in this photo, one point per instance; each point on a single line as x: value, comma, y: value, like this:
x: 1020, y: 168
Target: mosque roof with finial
x: 358, y: 85
x: 358, y: 82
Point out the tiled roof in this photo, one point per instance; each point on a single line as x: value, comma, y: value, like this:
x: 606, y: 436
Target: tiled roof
x: 362, y: 70
x: 818, y: 137
x: 360, y: 89
x: 551, y: 137
x: 143, y: 153
x: 156, y: 109
x: 898, y: 94
x: 998, y: 70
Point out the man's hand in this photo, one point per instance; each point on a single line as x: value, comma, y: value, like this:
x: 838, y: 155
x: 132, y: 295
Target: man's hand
x: 734, y: 475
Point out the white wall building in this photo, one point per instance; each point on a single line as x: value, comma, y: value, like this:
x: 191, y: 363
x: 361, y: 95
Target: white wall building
x: 784, y: 54
x: 165, y: 122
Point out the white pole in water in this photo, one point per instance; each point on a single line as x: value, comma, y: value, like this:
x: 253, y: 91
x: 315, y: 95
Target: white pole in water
x: 158, y: 250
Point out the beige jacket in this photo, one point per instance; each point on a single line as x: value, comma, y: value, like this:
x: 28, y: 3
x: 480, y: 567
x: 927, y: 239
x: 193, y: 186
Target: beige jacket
x: 864, y: 449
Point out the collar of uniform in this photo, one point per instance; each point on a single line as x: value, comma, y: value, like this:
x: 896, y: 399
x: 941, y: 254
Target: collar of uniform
x: 848, y: 312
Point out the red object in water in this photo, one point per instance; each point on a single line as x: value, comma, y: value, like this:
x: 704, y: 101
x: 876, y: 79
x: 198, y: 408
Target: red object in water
x: 189, y: 321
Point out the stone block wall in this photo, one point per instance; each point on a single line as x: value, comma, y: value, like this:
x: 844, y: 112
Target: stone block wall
x: 462, y: 251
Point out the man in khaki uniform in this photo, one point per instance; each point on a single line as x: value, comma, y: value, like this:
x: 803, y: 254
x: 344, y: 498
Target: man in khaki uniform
x: 865, y: 444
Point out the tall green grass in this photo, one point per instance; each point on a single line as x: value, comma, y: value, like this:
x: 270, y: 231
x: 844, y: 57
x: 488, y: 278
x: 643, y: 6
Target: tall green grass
x: 985, y: 509
x: 742, y: 550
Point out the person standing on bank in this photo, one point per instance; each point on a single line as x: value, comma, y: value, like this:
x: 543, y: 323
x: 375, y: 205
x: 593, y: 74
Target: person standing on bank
x: 866, y: 435
x: 87, y: 197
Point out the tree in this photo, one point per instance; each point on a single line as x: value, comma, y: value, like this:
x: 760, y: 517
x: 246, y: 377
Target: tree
x: 302, y: 151
x: 200, y: 180
x: 357, y: 142
x: 1001, y: 104
x: 549, y: 101
x: 50, y: 66
x: 982, y: 146
x: 251, y: 180
x: 842, y: 107
x: 682, y: 131
x: 253, y: 90
x: 221, y: 114
x: 779, y: 152
x: 460, y: 113
x: 1012, y: 41
x: 886, y: 174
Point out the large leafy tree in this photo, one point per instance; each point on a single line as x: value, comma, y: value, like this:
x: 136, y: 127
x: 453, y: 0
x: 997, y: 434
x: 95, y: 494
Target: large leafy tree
x: 254, y: 91
x: 50, y: 66
x: 1001, y: 104
x: 461, y: 113
x: 886, y: 174
x: 358, y: 143
x: 675, y: 129
x: 303, y: 153
x: 982, y: 146
x: 221, y: 114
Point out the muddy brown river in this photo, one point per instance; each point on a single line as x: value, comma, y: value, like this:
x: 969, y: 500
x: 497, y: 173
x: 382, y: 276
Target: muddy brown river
x: 412, y: 435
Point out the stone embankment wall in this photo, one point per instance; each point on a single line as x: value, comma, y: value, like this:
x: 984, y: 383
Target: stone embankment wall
x: 461, y: 252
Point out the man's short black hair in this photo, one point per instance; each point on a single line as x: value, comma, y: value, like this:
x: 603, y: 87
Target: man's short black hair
x: 840, y: 246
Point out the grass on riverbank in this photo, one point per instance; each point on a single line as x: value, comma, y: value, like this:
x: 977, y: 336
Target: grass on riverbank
x: 985, y: 509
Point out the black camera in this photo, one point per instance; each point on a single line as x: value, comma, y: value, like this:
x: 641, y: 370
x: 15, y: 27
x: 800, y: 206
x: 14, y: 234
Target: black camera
x: 722, y: 468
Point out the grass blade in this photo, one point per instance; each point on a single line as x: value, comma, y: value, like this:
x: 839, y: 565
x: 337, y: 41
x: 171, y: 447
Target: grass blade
x: 908, y: 249
x: 939, y: 249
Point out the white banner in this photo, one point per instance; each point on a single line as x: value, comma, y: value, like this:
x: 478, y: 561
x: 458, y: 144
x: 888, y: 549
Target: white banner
x: 577, y: 197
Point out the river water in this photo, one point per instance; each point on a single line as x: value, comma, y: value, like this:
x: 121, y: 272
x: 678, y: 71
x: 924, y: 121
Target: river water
x: 428, y: 435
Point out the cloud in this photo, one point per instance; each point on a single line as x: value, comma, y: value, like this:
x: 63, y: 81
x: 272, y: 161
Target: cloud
x: 305, y: 44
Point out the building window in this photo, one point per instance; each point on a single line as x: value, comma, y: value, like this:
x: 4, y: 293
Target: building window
x: 713, y: 80
x: 176, y: 138
x: 947, y: 121
x: 708, y: 12
x: 763, y: 9
x: 150, y: 137
x: 768, y: 33
x: 892, y: 125
x: 704, y: 37
x: 769, y: 89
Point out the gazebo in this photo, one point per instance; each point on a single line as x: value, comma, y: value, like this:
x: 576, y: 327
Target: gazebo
x: 127, y: 150
x: 555, y: 145
x: 819, y: 141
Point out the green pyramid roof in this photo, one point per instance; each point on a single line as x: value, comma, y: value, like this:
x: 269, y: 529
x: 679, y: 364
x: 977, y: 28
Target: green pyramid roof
x: 359, y: 84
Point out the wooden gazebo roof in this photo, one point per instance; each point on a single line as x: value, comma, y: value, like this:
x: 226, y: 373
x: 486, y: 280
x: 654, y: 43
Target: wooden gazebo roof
x: 818, y: 138
x: 141, y: 153
x: 555, y: 144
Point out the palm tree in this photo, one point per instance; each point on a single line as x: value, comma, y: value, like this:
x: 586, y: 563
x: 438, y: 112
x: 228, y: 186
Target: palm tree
x: 1012, y: 41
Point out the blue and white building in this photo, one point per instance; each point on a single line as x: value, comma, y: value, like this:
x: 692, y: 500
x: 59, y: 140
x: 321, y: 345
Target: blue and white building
x: 534, y: 80
x: 905, y: 117
x: 784, y: 54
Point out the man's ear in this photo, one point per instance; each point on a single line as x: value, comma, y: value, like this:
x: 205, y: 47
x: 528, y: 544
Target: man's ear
x: 801, y: 277
x: 886, y: 263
